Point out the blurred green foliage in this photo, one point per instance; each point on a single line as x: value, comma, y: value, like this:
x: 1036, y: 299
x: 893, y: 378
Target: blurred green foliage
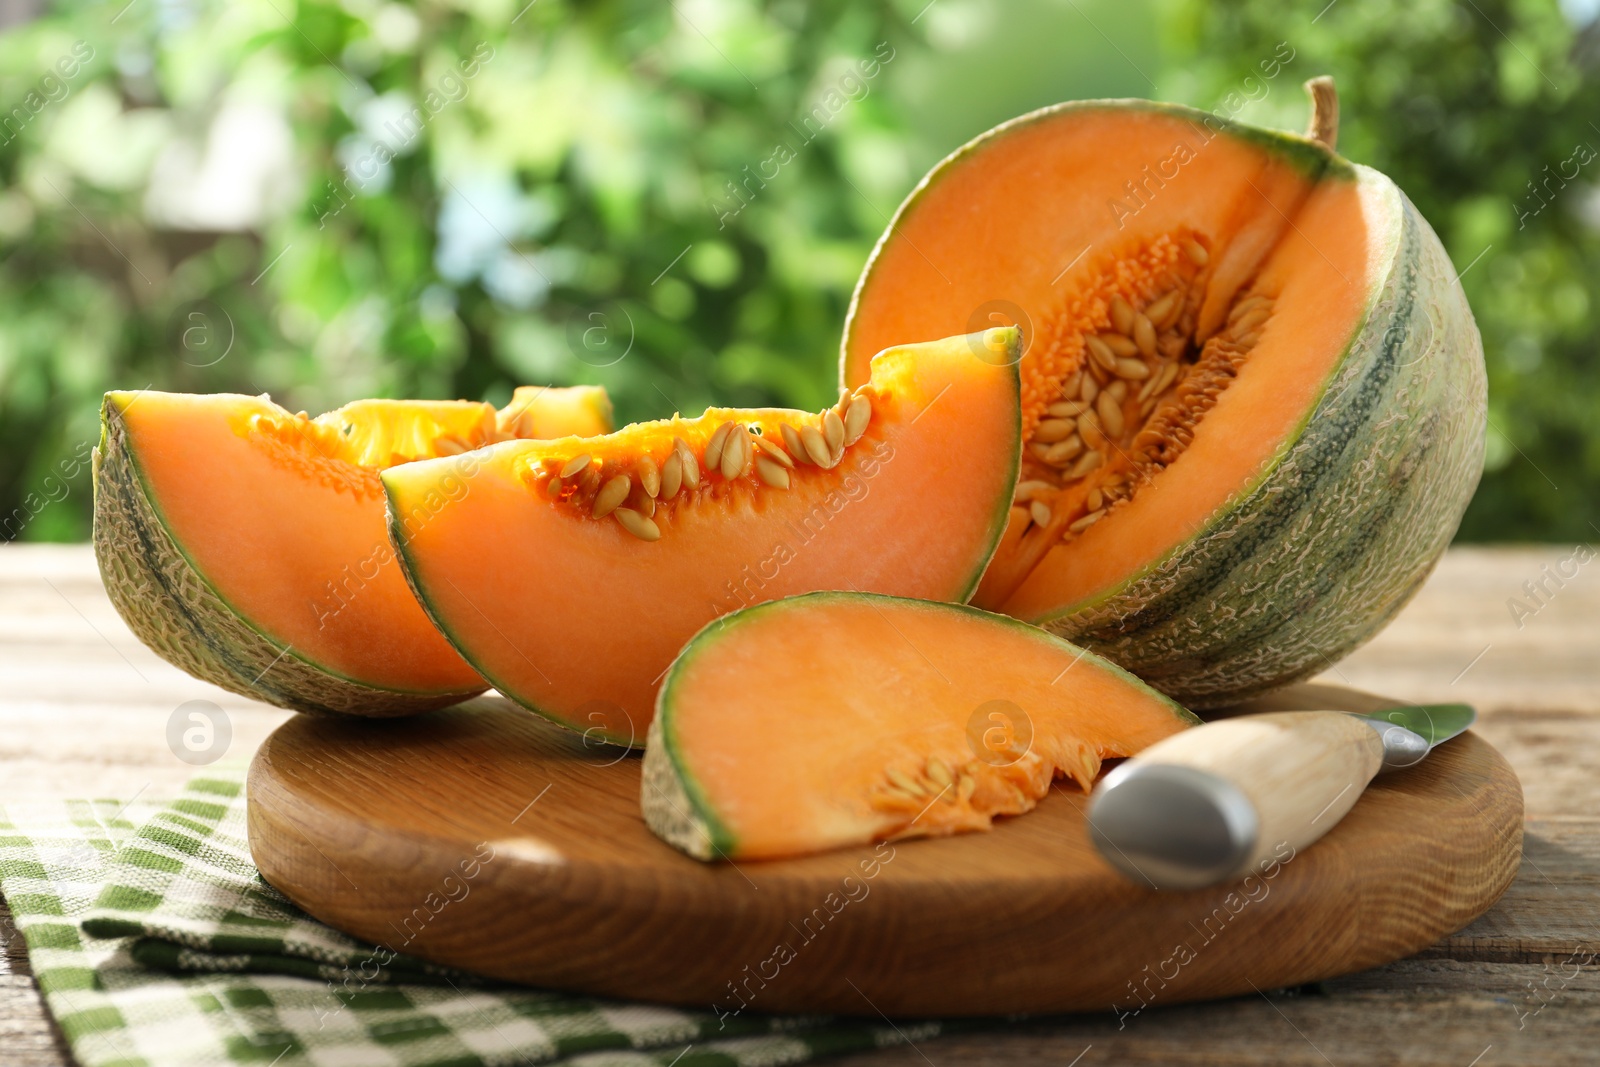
x: 327, y: 201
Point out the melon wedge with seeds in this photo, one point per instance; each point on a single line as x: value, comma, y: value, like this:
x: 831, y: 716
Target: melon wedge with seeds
x: 838, y: 719
x: 1253, y: 392
x: 246, y: 544
x: 570, y: 573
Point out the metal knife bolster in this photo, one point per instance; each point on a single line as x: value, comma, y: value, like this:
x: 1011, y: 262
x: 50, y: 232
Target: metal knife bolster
x: 1171, y: 826
x: 1401, y: 747
x: 1181, y: 815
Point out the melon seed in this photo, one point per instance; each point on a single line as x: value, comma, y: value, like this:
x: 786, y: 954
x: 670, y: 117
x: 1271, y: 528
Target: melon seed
x: 894, y: 800
x: 735, y: 453
x: 816, y: 447
x: 1052, y: 430
x: 856, y: 418
x: 1028, y: 490
x: 1088, y: 389
x: 691, y: 465
x: 649, y: 475
x: 1121, y: 315
x: 791, y: 440
x: 833, y: 433
x: 1196, y: 252
x: 1095, y: 499
x: 904, y: 781
x: 554, y: 486
x: 1100, y: 352
x: 1117, y: 390
x: 1066, y: 409
x: 774, y: 474
x: 611, y: 496
x: 939, y: 772
x: 1110, y: 413
x: 1120, y: 346
x: 1158, y: 382
x: 448, y: 444
x: 1039, y: 512
x: 1089, y: 429
x: 575, y: 465
x: 714, y: 447
x: 1087, y: 463
x: 1144, y: 335
x: 1058, y: 454
x: 966, y: 785
x: 1249, y: 321
x: 1086, y: 522
x: 641, y: 527
x: 671, y: 475
x: 1161, y: 307
x: 774, y: 451
x: 1132, y: 368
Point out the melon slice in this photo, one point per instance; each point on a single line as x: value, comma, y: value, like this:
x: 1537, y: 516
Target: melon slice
x: 927, y: 719
x: 1253, y: 392
x: 570, y: 572
x: 247, y: 545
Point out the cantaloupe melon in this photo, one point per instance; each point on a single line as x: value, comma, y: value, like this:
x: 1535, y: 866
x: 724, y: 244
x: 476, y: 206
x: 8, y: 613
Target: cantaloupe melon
x: 246, y: 544
x: 570, y: 572
x: 1253, y: 392
x: 837, y: 719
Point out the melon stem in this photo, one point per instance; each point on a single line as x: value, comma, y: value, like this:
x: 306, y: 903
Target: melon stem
x: 1324, y: 125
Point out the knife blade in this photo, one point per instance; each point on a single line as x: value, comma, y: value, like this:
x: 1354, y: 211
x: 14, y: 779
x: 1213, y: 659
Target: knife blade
x: 1212, y: 803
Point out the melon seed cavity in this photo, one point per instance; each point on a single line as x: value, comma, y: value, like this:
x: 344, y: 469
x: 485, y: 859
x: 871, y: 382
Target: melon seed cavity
x: 629, y: 489
x: 1119, y: 385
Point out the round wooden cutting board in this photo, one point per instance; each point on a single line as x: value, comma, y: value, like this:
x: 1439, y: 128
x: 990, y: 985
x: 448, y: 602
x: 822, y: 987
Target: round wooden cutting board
x: 485, y: 838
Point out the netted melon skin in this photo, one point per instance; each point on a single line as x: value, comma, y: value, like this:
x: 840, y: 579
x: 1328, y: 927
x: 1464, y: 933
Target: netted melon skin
x: 1341, y: 527
x: 175, y: 611
x: 669, y: 811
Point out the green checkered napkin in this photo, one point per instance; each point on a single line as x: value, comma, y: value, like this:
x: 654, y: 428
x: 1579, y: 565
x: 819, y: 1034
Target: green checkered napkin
x: 156, y: 941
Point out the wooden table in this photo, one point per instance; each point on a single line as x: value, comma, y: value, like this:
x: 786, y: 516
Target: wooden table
x: 84, y: 709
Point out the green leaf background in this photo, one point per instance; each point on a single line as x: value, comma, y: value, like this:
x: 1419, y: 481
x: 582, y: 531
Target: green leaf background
x: 326, y: 201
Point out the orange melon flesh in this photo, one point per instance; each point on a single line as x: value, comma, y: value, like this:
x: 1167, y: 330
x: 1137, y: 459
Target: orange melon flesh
x: 283, y: 516
x: 577, y: 618
x: 1316, y: 276
x: 993, y: 231
x: 838, y: 719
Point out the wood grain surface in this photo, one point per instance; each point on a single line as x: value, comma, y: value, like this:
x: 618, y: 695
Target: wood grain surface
x: 372, y: 827
x: 84, y: 710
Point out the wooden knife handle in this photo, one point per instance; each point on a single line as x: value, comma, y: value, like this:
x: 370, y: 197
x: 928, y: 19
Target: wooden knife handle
x: 1209, y: 804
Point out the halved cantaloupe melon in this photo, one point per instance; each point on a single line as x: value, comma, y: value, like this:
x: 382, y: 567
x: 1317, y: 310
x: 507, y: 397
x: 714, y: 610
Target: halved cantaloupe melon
x: 1253, y: 392
x: 837, y: 719
x: 569, y: 573
x: 247, y: 546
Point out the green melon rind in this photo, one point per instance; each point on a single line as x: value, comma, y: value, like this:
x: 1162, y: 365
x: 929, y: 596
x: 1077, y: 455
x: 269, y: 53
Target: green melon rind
x: 1310, y: 157
x: 1311, y: 559
x: 675, y: 804
x: 409, y: 564
x: 175, y: 611
x: 1001, y: 516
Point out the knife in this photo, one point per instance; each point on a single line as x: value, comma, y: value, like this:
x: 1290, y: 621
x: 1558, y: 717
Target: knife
x: 1211, y: 803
